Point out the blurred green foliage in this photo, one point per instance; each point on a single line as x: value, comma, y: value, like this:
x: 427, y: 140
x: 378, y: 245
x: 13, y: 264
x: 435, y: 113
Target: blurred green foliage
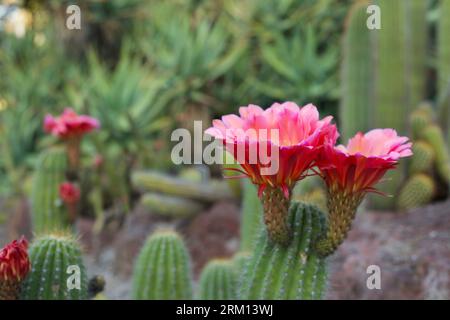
x: 145, y: 67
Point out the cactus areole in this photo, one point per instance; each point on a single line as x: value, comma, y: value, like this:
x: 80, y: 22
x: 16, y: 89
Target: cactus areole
x: 14, y: 266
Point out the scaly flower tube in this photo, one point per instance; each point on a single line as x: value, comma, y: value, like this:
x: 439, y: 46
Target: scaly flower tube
x: 351, y: 172
x: 71, y: 127
x: 275, y: 148
x: 14, y: 266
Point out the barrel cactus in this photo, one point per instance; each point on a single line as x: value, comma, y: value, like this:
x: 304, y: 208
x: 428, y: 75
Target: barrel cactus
x: 418, y: 190
x: 57, y: 269
x: 162, y: 269
x: 218, y: 281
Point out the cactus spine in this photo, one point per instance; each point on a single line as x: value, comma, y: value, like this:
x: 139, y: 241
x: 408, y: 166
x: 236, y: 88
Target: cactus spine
x: 292, y: 272
x: 251, y: 216
x: 357, y: 67
x: 52, y: 257
x: 218, y: 281
x: 48, y: 211
x: 417, y: 191
x: 162, y: 269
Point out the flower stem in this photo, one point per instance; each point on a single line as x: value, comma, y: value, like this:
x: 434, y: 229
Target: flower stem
x: 276, y: 207
x: 342, y: 209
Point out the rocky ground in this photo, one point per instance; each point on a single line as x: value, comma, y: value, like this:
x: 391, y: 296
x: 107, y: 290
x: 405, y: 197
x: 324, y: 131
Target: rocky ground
x: 411, y: 249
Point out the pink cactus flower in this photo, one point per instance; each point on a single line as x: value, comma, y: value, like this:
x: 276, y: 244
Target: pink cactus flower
x: 70, y: 124
x: 351, y: 172
x: 292, y: 137
x: 300, y: 136
x: 357, y: 167
x: 69, y: 193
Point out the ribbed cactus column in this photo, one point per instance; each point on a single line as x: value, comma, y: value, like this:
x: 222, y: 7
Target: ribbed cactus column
x: 56, y: 270
x: 356, y: 73
x: 391, y: 88
x: 218, y: 281
x: 292, y: 272
x: 443, y: 66
x: 416, y: 41
x: 162, y: 270
x: 48, y: 211
x: 251, y: 216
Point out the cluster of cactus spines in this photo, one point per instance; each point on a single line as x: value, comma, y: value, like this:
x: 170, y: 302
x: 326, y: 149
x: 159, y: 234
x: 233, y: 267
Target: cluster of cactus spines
x: 48, y: 211
x: 288, y: 272
x: 54, y: 259
x: 162, y: 270
x: 418, y: 190
x: 435, y: 137
x: 218, y: 281
x: 357, y: 67
x: 423, y: 157
x: 251, y: 215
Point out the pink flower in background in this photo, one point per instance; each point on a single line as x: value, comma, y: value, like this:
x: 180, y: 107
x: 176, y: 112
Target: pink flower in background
x: 299, y: 136
x: 69, y: 124
x: 69, y: 193
x: 357, y: 167
x: 14, y: 261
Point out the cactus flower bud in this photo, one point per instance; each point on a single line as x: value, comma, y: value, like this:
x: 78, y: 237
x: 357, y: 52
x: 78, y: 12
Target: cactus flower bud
x: 14, y: 266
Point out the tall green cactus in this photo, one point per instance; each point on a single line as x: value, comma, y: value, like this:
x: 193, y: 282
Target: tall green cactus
x: 218, y: 281
x: 251, y: 216
x: 292, y: 272
x: 162, y: 270
x: 55, y: 263
x: 48, y: 211
x: 356, y: 73
x: 443, y: 66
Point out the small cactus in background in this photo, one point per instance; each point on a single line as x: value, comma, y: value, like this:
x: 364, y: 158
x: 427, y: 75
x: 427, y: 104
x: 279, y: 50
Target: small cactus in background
x: 293, y: 272
x: 251, y: 216
x: 435, y: 137
x: 240, y: 260
x: 443, y: 65
x: 48, y: 210
x: 421, y: 118
x: 418, y: 190
x: 423, y: 157
x: 162, y: 269
x: 14, y: 266
x: 55, y: 258
x: 218, y: 281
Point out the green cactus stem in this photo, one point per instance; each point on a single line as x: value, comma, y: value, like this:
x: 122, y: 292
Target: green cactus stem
x: 288, y: 272
x: 162, y: 269
x: 417, y: 191
x: 423, y: 157
x: 356, y: 73
x: 48, y: 211
x: 251, y: 215
x: 218, y: 281
x: 56, y: 267
x: 435, y: 137
x: 171, y: 206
